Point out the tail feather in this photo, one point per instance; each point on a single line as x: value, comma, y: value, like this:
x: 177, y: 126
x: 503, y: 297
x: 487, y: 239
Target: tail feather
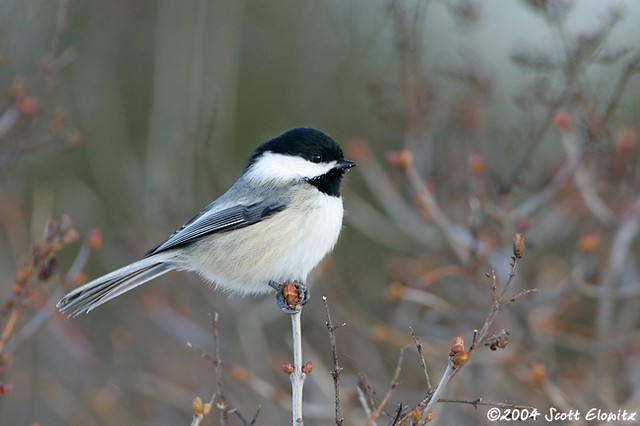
x: 101, y: 290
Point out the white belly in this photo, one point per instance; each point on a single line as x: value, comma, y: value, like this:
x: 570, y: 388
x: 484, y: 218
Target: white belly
x: 277, y: 249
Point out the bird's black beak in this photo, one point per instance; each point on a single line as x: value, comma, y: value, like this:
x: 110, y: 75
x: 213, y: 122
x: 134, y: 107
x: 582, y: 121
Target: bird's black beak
x: 346, y: 164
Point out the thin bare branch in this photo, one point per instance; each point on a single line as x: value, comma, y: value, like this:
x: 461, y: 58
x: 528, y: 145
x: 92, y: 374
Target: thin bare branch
x: 335, y: 373
x: 423, y: 363
x: 623, y: 237
x: 221, y: 405
x: 394, y: 383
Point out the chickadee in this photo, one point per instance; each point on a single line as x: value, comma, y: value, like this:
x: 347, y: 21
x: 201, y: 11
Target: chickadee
x: 274, y: 225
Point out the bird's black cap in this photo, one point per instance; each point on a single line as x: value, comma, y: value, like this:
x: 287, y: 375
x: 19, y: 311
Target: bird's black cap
x: 310, y: 144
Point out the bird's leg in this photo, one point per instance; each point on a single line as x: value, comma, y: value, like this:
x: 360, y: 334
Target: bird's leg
x: 290, y: 295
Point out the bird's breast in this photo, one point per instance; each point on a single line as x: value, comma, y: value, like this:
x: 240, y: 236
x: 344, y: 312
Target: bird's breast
x: 284, y: 247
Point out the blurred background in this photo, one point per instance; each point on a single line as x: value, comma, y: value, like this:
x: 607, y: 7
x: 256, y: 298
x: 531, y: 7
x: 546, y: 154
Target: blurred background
x: 470, y: 120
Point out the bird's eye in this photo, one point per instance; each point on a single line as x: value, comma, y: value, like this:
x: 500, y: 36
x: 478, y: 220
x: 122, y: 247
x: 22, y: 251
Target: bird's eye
x: 316, y: 158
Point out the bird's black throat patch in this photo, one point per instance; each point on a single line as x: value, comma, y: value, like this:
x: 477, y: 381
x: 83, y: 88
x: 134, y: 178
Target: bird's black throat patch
x: 328, y: 183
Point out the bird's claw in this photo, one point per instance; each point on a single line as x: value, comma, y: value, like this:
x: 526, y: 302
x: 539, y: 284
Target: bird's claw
x: 291, y: 296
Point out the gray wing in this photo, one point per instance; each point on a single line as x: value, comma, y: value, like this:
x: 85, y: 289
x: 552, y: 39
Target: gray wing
x: 209, y: 222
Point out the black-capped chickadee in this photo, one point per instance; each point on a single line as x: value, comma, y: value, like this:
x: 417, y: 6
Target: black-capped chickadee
x: 274, y: 225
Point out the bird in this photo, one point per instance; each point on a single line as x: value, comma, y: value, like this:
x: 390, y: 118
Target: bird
x: 280, y: 218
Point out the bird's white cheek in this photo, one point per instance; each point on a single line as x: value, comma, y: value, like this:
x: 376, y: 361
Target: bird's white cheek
x: 286, y: 168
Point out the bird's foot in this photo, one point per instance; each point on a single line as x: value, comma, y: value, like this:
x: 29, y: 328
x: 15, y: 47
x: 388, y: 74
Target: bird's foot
x: 291, y: 296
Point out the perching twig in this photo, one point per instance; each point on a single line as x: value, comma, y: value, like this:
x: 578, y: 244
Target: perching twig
x: 335, y: 373
x: 297, y: 376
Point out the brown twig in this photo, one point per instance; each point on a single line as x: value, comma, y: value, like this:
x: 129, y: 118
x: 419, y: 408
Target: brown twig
x: 455, y: 363
x: 200, y: 411
x: 221, y: 405
x: 621, y: 83
x: 40, y: 269
x: 335, y: 373
x: 10, y: 325
x: 423, y: 363
x: 365, y: 394
x: 394, y: 383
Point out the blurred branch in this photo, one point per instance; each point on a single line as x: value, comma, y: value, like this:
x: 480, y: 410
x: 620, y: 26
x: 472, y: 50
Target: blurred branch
x: 7, y: 120
x: 533, y: 141
x: 62, y: 26
x: 577, y: 53
x: 630, y: 68
x: 585, y: 184
x: 28, y: 280
x: 543, y: 197
x: 604, y: 322
x: 9, y: 325
x: 408, y: 31
x: 452, y: 235
x: 390, y: 199
x: 27, y: 107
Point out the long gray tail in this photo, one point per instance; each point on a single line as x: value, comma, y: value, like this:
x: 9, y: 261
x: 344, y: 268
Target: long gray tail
x: 101, y: 290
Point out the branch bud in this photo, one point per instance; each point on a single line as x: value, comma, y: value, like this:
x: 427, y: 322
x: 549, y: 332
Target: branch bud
x: 537, y: 374
x: 240, y: 374
x: 562, y: 120
x: 6, y: 388
x: 457, y: 345
x: 396, y: 290
x: 518, y: 245
x: 287, y: 367
x: 358, y: 150
x: 477, y: 164
x: 28, y: 105
x: 588, y: 243
x: 22, y: 277
x: 94, y: 238
x: 197, y: 406
x: 206, y: 409
x: 430, y: 416
x: 416, y: 416
x: 401, y: 159
x: 307, y: 368
x: 460, y: 358
x: 625, y: 141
